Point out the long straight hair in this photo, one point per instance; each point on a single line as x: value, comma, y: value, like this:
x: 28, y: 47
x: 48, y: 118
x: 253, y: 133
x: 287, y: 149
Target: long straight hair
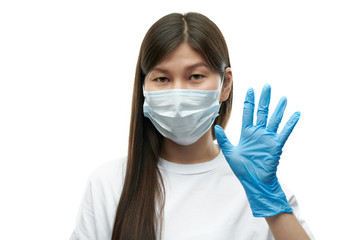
x: 139, y: 213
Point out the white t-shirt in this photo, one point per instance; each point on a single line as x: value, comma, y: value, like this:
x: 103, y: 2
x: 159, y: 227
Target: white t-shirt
x: 204, y: 201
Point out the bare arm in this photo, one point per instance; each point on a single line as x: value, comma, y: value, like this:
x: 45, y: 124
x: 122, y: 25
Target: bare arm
x: 286, y: 226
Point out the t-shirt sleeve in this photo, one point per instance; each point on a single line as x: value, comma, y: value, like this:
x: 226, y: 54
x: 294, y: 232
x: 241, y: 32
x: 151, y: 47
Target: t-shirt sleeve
x: 99, y: 203
x: 295, y: 206
x: 85, y: 221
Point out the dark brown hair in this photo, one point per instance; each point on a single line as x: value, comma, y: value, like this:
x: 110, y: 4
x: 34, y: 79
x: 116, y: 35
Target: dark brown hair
x: 140, y: 209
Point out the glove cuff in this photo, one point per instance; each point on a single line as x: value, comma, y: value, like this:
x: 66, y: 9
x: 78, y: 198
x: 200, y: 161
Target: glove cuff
x: 268, y: 203
x: 270, y: 208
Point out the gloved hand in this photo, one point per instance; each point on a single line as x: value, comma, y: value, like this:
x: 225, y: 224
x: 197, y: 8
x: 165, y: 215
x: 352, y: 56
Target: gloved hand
x: 256, y: 157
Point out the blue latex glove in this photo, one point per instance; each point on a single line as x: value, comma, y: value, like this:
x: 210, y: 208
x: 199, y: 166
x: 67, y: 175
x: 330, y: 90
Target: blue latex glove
x: 256, y: 157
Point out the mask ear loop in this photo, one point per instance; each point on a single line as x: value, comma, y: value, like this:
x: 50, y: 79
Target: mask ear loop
x: 143, y: 89
x: 143, y: 85
x: 220, y: 90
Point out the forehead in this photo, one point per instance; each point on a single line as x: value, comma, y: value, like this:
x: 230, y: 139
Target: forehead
x: 182, y: 55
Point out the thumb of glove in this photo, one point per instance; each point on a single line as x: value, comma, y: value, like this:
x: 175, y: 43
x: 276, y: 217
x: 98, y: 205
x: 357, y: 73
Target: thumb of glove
x: 222, y: 140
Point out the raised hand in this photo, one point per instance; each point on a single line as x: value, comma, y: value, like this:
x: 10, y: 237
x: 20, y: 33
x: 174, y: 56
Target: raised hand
x: 256, y: 157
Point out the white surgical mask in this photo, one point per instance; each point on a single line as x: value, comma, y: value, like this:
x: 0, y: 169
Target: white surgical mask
x: 182, y: 115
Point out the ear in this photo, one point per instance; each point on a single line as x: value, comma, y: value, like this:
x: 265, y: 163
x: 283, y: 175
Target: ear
x: 227, y: 85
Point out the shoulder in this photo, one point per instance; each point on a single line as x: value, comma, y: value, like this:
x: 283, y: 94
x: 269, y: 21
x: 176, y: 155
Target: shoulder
x: 98, y: 206
x: 295, y: 205
x: 109, y: 167
x: 290, y: 196
x: 109, y: 175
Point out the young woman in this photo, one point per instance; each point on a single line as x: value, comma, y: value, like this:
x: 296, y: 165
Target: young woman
x: 175, y: 183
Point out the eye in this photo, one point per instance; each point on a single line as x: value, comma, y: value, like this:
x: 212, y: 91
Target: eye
x: 161, y: 80
x: 196, y: 77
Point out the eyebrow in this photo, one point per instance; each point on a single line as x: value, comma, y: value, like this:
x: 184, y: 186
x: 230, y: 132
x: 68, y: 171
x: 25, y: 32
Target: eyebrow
x: 188, y: 68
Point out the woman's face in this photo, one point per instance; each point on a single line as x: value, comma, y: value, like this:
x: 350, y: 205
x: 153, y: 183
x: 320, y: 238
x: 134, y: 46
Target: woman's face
x: 183, y: 68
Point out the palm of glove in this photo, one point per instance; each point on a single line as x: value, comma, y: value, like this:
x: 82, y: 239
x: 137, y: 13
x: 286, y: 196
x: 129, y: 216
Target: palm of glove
x: 256, y: 157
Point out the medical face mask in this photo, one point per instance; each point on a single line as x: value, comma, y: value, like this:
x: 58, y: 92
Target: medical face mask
x: 182, y: 115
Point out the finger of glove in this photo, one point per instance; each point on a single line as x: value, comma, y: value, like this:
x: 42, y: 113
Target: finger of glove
x: 276, y: 117
x: 263, y: 108
x: 222, y: 140
x: 285, y: 133
x: 248, y: 111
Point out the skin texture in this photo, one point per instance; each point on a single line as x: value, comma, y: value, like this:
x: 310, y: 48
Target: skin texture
x: 285, y: 226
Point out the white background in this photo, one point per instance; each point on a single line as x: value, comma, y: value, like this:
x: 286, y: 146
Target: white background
x: 67, y: 70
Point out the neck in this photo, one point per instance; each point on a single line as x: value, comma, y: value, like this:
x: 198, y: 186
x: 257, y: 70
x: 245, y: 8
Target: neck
x: 202, y: 150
